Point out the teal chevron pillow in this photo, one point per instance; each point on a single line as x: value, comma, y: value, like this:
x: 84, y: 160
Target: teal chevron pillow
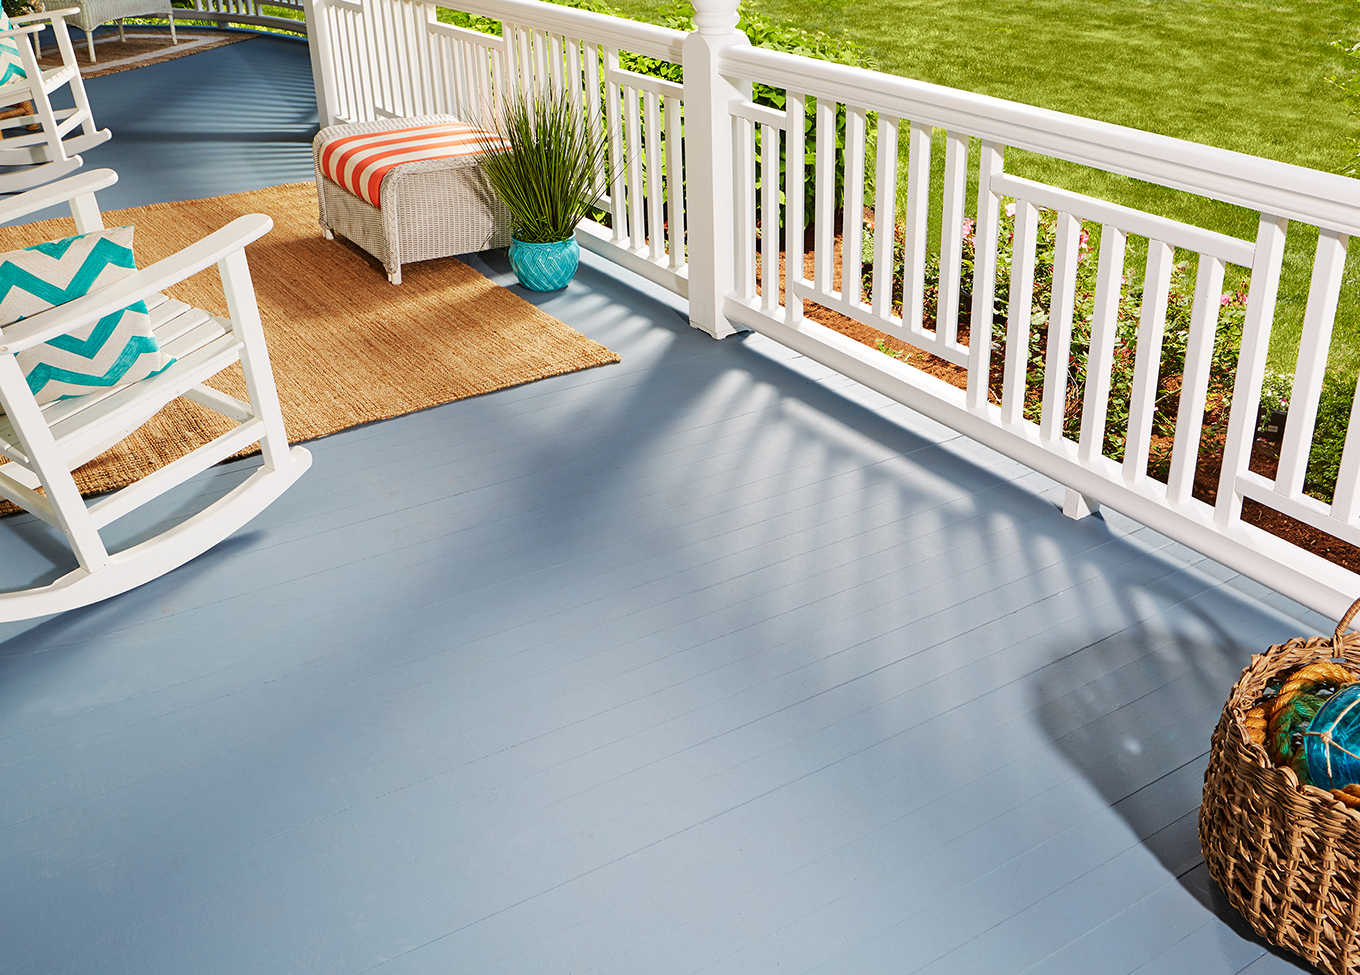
x: 117, y: 350
x: 11, y: 65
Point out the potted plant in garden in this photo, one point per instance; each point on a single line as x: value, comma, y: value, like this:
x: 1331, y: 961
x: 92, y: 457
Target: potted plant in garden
x: 548, y: 166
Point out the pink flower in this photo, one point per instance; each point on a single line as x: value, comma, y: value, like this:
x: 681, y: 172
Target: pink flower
x: 968, y: 228
x: 1085, y: 241
x: 1227, y: 299
x: 1010, y: 209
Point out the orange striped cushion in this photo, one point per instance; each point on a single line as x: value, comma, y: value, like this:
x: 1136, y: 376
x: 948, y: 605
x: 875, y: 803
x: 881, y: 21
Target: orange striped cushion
x: 359, y: 162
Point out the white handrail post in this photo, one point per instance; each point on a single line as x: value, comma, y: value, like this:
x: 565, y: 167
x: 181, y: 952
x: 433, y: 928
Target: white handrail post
x: 323, y: 61
x: 709, y: 164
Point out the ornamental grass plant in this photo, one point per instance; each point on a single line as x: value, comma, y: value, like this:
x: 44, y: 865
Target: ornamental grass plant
x: 546, y: 163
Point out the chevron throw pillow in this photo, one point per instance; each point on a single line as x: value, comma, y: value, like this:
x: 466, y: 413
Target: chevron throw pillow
x: 117, y: 350
x: 11, y: 65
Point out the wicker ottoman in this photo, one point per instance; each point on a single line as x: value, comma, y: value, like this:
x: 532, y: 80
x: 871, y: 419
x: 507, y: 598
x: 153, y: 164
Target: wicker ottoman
x: 429, y: 208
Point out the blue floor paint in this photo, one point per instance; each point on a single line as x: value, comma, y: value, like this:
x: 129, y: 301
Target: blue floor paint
x: 709, y: 661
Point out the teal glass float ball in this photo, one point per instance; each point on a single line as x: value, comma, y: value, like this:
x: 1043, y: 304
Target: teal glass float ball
x: 1332, y: 742
x: 545, y: 267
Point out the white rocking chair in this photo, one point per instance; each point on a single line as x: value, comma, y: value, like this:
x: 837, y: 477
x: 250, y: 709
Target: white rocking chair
x: 44, y: 444
x: 53, y: 151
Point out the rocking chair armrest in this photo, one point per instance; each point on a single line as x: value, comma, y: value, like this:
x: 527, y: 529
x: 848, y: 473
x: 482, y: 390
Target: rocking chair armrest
x: 61, y: 191
x: 30, y: 29
x: 74, y: 314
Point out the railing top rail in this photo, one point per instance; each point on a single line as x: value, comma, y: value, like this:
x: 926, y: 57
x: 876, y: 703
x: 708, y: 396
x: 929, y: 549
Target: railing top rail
x: 649, y: 39
x: 1281, y: 189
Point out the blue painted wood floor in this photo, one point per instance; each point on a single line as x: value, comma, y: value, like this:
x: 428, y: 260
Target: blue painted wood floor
x: 705, y: 662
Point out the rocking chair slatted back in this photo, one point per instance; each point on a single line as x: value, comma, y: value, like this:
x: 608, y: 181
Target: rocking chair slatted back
x: 53, y: 150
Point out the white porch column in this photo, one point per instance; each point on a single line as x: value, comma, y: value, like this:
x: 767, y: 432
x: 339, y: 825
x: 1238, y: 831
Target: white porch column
x: 323, y: 65
x: 709, y: 164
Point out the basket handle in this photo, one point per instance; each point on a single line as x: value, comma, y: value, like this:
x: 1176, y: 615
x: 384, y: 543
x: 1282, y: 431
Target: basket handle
x: 1344, y: 624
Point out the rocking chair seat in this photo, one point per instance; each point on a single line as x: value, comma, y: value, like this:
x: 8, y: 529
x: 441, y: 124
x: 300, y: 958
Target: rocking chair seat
x: 43, y: 444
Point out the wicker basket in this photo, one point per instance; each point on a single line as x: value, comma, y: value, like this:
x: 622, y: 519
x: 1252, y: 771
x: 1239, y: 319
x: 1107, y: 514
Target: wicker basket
x: 1287, y: 856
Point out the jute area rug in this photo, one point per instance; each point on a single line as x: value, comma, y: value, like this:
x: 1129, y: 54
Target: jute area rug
x: 347, y: 347
x: 142, y: 47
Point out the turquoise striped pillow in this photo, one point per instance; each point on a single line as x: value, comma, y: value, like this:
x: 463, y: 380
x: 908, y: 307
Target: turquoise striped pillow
x: 11, y: 65
x: 117, y: 350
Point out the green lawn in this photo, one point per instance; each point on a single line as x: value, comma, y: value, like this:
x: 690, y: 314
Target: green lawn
x: 1248, y: 75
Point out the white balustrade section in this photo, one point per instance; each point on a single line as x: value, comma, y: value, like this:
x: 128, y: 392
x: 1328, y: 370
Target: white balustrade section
x: 999, y: 407
x: 393, y: 57
x: 246, y: 12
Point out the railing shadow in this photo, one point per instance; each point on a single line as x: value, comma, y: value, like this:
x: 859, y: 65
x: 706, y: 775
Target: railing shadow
x: 1155, y: 693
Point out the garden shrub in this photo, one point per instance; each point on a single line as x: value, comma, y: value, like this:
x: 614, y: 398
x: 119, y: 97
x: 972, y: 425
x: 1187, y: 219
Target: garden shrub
x: 1179, y: 304
x: 1334, y: 407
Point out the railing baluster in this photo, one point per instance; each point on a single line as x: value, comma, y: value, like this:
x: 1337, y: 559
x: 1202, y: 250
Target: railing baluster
x: 1147, y: 362
x: 574, y: 76
x: 357, y: 75
x: 1251, y: 365
x: 1019, y: 312
x: 540, y: 49
x: 402, y: 53
x: 458, y: 95
x: 618, y: 194
x: 852, y: 221
x: 1199, y: 352
x: 524, y: 51
x: 795, y: 175
x: 824, y: 241
x: 951, y: 235
x: 917, y: 222
x: 467, y: 100
x: 744, y: 205
x: 347, y: 70
x: 556, y: 54
x: 1100, y: 356
x: 990, y: 163
x: 427, y: 80
x: 1311, y: 367
x: 493, y: 73
x: 1346, y: 500
x: 656, y: 203
x: 376, y: 47
x: 885, y: 215
x: 392, y: 62
x: 636, y: 204
x: 1066, y: 255
x: 443, y: 62
x: 769, y: 217
x: 594, y: 110
x: 675, y: 183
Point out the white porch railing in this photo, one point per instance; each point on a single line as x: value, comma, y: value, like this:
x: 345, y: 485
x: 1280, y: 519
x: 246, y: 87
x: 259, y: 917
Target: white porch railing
x: 393, y: 58
x: 249, y: 13
x: 698, y: 237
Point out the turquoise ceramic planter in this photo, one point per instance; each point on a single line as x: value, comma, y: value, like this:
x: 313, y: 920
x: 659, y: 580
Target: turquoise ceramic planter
x: 545, y: 267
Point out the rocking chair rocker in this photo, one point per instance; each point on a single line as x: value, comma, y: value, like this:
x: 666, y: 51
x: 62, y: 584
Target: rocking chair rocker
x: 44, y: 443
x: 52, y: 151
